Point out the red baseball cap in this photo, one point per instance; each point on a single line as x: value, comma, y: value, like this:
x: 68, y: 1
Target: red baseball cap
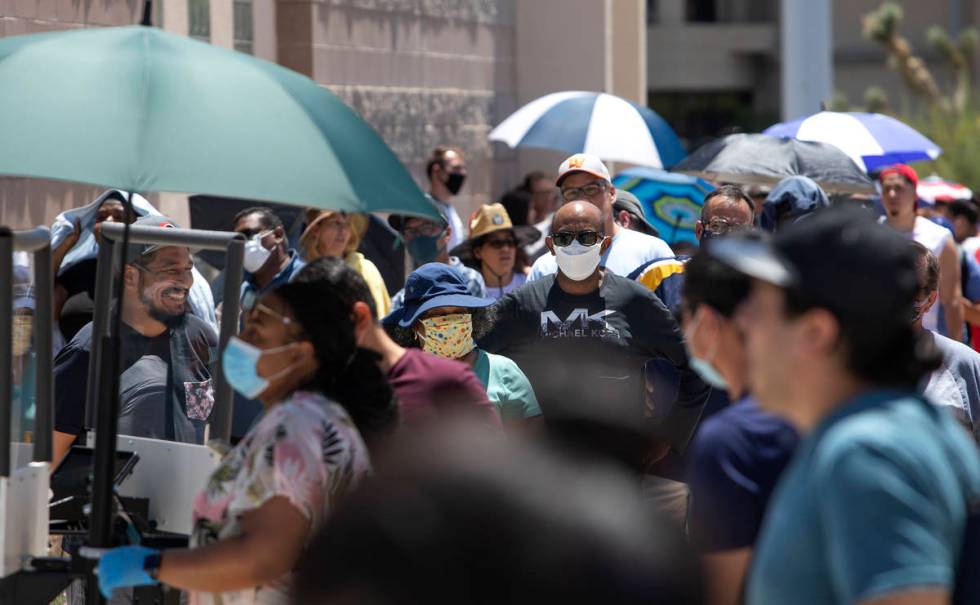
x: 903, y: 169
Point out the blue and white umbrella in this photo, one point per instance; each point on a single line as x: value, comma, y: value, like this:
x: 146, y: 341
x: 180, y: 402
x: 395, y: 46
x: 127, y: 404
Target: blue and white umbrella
x: 590, y: 122
x: 872, y: 140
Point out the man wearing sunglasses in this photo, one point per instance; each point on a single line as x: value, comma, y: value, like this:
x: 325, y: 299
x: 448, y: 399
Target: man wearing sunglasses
x: 585, y: 177
x: 269, y: 262
x: 584, y: 335
x: 165, y: 385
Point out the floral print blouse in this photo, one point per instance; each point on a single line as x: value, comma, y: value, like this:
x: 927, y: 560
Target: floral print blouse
x: 305, y: 449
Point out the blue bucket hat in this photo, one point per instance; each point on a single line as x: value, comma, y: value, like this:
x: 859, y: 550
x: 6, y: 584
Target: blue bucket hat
x: 430, y: 286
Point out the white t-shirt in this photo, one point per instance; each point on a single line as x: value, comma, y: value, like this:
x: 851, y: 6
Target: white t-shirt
x: 458, y: 235
x: 933, y: 236
x: 496, y: 293
x: 629, y: 250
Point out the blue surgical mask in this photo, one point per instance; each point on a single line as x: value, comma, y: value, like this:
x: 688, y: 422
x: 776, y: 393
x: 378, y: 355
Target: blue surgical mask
x: 703, y: 367
x: 424, y: 248
x: 239, y: 362
x: 708, y: 373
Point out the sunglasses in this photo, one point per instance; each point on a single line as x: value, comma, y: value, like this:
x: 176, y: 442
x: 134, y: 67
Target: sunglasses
x: 500, y: 244
x: 565, y: 238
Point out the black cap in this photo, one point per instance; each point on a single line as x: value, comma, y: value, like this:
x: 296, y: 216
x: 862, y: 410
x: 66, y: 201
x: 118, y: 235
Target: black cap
x: 841, y: 259
x: 630, y: 203
x: 397, y: 221
x: 138, y: 250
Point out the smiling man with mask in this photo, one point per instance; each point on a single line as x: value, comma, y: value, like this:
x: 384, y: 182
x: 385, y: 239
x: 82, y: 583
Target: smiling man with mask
x: 584, y: 335
x: 427, y: 241
x: 165, y: 386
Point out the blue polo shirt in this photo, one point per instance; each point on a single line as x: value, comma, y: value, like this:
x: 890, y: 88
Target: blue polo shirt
x: 251, y: 291
x: 734, y: 462
x: 247, y: 410
x: 874, y: 502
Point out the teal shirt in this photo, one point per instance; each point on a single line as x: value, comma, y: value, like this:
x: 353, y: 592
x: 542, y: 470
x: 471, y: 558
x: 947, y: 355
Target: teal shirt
x: 874, y: 502
x: 507, y: 386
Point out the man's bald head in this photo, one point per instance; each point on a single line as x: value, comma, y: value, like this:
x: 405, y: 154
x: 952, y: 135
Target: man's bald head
x: 578, y: 216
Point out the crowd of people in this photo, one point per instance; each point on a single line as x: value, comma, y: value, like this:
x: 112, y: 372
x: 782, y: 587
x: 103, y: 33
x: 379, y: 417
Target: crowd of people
x: 555, y: 404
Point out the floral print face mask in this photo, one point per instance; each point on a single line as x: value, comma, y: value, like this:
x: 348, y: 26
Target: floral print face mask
x: 449, y: 336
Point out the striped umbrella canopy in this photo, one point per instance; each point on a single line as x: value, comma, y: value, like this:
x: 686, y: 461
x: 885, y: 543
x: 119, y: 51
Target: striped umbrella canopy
x: 605, y: 125
x: 936, y: 189
x: 872, y: 140
x: 671, y: 202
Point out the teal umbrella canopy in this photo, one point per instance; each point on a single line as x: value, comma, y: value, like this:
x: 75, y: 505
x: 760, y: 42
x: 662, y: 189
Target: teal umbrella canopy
x: 140, y: 109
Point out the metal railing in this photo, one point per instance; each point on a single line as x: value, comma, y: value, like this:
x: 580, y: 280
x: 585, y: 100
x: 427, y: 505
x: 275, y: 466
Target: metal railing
x: 37, y: 241
x: 108, y: 261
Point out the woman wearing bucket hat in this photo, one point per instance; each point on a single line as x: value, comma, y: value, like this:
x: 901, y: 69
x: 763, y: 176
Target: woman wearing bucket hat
x: 337, y: 235
x: 441, y: 317
x: 496, y: 249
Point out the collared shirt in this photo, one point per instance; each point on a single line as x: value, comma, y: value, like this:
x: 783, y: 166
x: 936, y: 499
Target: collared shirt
x: 474, y: 283
x: 251, y: 291
x: 874, y: 502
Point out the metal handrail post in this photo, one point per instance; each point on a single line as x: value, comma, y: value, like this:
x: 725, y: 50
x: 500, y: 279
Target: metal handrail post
x: 6, y: 357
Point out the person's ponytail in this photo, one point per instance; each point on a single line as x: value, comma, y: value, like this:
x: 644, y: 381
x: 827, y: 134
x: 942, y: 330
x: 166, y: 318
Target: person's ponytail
x: 347, y: 374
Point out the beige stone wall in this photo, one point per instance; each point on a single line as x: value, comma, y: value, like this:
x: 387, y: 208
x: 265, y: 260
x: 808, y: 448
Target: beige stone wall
x: 421, y: 72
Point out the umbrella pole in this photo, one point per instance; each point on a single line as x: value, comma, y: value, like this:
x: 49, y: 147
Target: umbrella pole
x: 107, y: 420
x: 673, y: 231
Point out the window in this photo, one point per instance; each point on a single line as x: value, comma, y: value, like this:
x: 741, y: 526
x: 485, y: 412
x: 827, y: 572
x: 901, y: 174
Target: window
x: 244, y: 29
x: 652, y: 11
x: 702, y: 11
x: 199, y: 15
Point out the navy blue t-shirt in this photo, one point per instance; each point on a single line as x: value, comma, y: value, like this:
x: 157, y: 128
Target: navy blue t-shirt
x: 733, y: 465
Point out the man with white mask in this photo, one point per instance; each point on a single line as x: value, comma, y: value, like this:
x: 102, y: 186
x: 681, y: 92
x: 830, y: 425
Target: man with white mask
x: 584, y: 335
x: 268, y: 264
x: 583, y: 177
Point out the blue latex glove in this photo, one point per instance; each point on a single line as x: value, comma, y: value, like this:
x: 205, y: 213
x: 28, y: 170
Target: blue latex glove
x: 124, y: 566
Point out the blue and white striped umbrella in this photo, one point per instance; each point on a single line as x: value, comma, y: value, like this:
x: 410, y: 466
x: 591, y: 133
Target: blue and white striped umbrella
x: 590, y: 122
x: 872, y: 140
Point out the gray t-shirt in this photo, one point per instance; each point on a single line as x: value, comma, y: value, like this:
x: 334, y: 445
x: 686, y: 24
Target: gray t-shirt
x: 165, y: 387
x: 956, y: 384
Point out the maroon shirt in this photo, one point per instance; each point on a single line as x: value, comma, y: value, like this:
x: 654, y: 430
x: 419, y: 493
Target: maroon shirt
x: 430, y: 387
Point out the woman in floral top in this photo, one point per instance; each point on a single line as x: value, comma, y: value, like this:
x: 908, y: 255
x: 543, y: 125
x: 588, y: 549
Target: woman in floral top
x: 271, y: 492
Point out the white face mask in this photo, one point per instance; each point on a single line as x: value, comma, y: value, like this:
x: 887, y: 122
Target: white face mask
x: 578, y: 262
x: 255, y: 253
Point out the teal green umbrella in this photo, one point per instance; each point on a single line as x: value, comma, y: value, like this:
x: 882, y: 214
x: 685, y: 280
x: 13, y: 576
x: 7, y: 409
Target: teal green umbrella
x: 140, y: 109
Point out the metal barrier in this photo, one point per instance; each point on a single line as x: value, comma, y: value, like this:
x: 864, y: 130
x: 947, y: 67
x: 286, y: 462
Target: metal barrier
x: 37, y: 241
x: 108, y: 261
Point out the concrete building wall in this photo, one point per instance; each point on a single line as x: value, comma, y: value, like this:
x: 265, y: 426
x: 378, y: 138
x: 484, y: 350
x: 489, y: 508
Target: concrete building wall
x: 739, y: 52
x: 421, y: 72
x: 26, y: 203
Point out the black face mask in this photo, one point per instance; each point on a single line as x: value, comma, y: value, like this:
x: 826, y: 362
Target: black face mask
x: 454, y: 182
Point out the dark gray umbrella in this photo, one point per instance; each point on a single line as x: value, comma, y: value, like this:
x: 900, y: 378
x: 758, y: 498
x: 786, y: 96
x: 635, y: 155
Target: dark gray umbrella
x: 759, y: 159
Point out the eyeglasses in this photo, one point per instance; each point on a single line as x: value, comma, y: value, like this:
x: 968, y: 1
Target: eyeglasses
x: 585, y: 192
x: 565, y: 238
x: 720, y: 226
x: 250, y: 233
x: 258, y: 308
x: 426, y: 230
x: 500, y: 244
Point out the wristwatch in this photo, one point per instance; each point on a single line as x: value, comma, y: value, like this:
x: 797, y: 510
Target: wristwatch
x: 151, y: 564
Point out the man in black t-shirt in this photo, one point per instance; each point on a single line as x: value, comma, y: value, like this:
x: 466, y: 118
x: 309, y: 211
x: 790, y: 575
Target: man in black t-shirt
x: 584, y: 336
x: 165, y: 386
